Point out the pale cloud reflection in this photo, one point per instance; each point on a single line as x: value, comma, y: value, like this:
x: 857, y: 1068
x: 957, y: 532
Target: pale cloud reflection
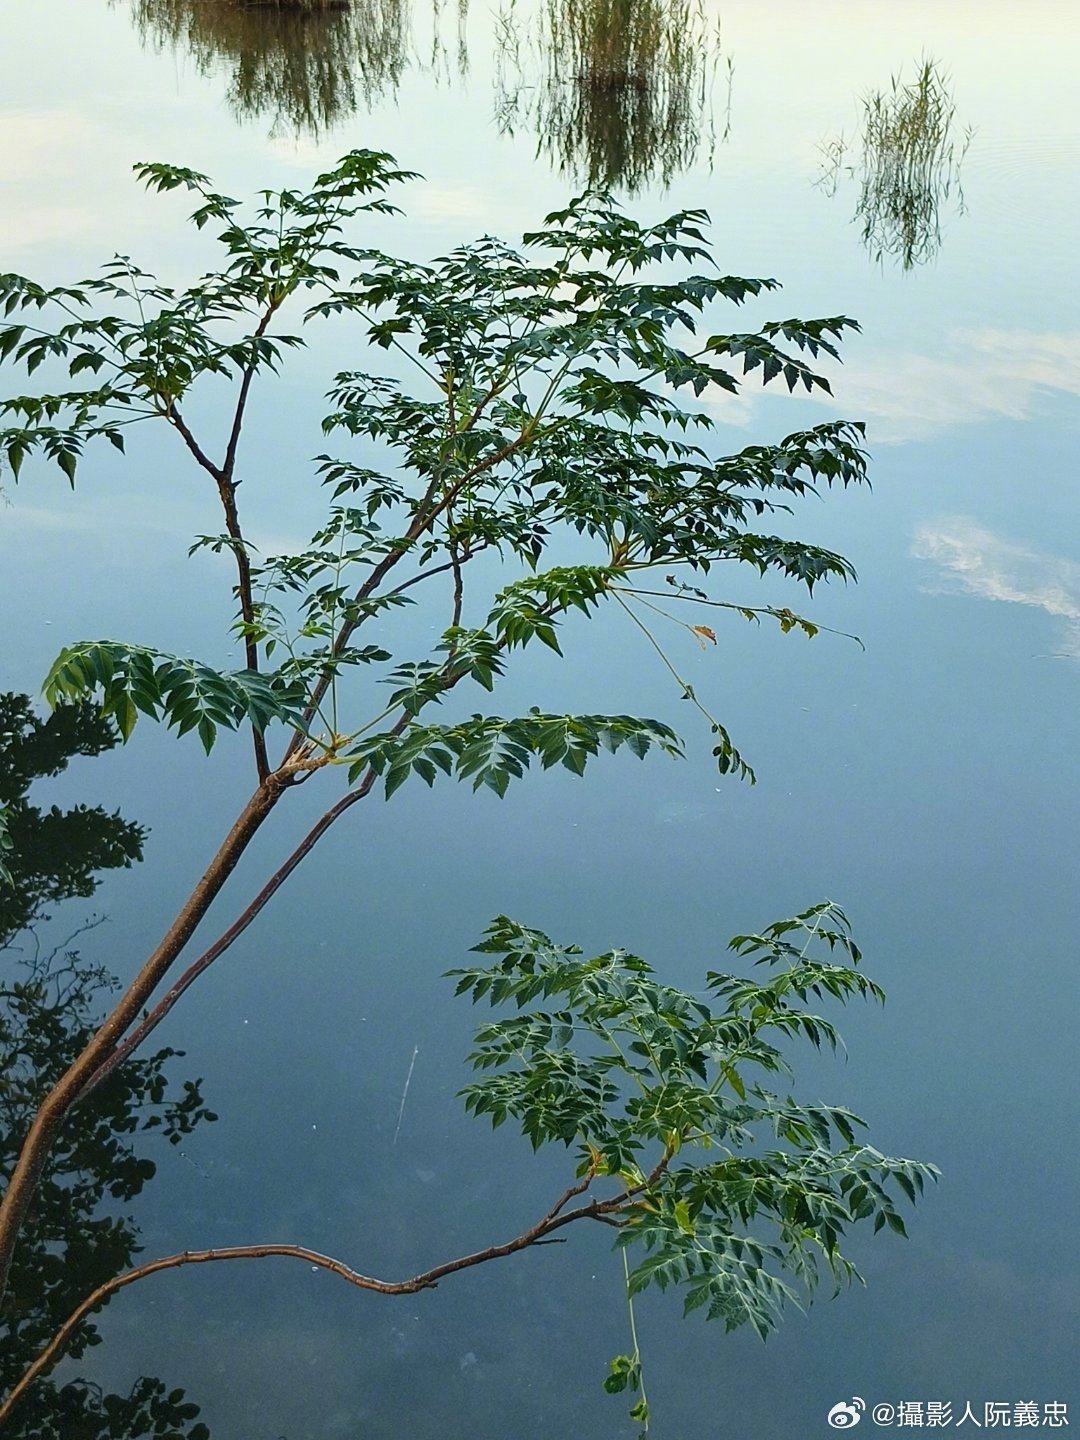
x: 44, y: 152
x: 436, y: 203
x: 985, y: 375
x: 726, y: 408
x: 38, y: 144
x: 975, y: 561
x: 991, y: 375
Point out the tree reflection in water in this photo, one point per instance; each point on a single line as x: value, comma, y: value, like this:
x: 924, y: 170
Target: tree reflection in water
x: 54, y: 854
x: 619, y: 92
x: 306, y: 66
x: 49, y: 1006
x: 907, y: 165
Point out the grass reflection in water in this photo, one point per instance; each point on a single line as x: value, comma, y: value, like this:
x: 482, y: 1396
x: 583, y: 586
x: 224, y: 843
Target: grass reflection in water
x: 907, y: 165
x: 619, y: 92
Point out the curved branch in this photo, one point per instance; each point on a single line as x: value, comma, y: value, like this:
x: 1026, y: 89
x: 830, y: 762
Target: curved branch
x: 56, y: 1346
x: 427, y: 1280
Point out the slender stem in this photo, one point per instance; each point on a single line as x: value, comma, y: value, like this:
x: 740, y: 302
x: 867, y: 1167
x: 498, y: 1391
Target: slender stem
x: 229, y: 465
x: 224, y: 476
x: 744, y: 610
x: 226, y: 487
x: 687, y: 689
x: 435, y: 570
x: 634, y: 1340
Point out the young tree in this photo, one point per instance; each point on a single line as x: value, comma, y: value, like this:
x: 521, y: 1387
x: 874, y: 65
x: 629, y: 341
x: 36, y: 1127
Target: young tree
x: 548, y: 406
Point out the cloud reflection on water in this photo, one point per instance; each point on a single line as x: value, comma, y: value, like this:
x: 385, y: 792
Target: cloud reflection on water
x: 975, y: 561
x: 990, y: 375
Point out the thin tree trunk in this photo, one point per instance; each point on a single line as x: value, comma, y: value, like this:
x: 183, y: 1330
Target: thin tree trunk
x: 56, y: 1105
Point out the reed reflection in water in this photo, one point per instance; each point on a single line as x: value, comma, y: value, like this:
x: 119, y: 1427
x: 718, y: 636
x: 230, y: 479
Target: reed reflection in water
x: 619, y: 92
x: 907, y: 164
x: 307, y: 66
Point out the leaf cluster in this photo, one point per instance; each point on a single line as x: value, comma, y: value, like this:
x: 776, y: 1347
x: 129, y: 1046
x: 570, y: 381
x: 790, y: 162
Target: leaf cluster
x: 544, y: 396
x: 185, y: 694
x: 158, y: 341
x: 490, y: 751
x: 736, y: 1194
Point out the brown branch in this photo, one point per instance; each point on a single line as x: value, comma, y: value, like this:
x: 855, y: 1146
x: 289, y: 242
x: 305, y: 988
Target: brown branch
x: 455, y: 562
x: 574, y: 1190
x: 56, y: 1346
x: 227, y: 492
x: 497, y: 387
x: 176, y: 419
x: 435, y: 570
x: 105, y: 1050
x: 245, y: 386
x: 427, y: 1280
x: 223, y: 476
x: 53, y: 1109
x: 154, y: 1018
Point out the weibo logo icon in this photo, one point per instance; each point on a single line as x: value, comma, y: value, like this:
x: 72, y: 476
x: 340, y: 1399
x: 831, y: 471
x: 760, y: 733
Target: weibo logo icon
x: 847, y: 1414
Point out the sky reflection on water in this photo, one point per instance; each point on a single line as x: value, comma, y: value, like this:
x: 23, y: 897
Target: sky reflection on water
x: 975, y: 561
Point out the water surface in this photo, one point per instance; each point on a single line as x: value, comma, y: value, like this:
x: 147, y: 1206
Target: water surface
x: 930, y: 784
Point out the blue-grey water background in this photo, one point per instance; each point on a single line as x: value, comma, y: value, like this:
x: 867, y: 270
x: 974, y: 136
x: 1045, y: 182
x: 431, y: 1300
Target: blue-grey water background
x: 929, y: 784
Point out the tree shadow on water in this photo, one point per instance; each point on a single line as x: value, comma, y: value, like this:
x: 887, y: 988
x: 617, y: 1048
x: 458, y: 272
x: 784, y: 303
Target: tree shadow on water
x: 307, y: 67
x: 50, y: 1001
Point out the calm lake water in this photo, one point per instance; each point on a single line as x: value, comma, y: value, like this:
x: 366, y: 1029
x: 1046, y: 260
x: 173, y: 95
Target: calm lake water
x: 930, y: 784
